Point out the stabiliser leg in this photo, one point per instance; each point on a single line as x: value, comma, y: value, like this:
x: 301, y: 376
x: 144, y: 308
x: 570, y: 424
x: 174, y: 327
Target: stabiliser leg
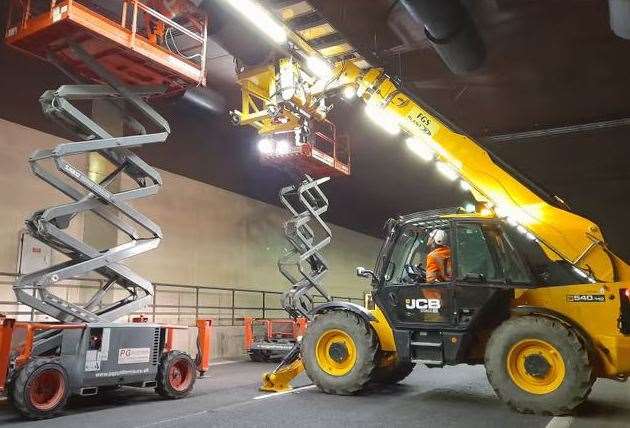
x: 89, y: 195
x: 288, y: 369
x: 303, y: 265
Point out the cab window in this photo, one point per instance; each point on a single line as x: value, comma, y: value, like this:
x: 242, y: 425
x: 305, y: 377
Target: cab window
x: 401, y: 253
x: 485, y: 255
x: 407, y: 263
x: 474, y: 260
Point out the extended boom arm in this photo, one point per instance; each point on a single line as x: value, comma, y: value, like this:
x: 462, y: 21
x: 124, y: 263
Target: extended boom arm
x: 289, y: 97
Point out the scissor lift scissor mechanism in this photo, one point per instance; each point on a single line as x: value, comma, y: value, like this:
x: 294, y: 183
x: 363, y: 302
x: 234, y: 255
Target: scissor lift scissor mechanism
x: 112, y: 45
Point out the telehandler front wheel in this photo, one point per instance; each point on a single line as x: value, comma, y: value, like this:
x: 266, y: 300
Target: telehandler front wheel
x: 339, y: 352
x: 538, y: 365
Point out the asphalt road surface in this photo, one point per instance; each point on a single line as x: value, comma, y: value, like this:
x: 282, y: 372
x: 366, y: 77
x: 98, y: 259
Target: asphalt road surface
x: 451, y: 397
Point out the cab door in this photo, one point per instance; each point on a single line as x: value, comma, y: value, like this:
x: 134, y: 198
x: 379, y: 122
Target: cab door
x: 487, y: 268
x: 409, y: 302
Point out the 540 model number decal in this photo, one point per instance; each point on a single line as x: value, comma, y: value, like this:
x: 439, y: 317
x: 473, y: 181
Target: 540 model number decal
x: 586, y: 298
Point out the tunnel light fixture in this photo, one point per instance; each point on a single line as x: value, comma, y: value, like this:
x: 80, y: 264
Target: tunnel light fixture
x: 265, y: 146
x: 512, y: 221
x: 470, y: 208
x: 282, y: 147
x: 464, y: 186
x: 507, y: 210
x: 260, y: 18
x: 383, y: 118
x: 420, y: 148
x: 319, y: 67
x: 521, y: 229
x: 349, y: 92
x: 447, y: 171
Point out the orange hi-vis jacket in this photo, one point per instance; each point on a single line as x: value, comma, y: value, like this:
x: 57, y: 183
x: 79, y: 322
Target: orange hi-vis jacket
x: 439, y: 265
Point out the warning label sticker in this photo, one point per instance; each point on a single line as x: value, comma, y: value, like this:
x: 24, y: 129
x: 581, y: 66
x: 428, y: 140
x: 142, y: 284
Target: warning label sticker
x: 133, y: 355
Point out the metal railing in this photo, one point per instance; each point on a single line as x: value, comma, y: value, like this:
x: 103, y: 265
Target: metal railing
x: 172, y: 303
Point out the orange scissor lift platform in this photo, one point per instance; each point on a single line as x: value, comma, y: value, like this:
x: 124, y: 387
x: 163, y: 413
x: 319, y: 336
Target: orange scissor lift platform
x: 117, y: 38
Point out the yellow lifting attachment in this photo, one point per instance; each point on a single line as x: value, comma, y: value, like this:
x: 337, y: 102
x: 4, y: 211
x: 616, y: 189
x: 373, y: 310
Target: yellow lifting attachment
x: 278, y: 380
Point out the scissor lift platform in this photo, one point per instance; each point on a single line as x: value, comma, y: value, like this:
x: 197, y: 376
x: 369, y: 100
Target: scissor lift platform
x: 322, y: 154
x: 122, y: 46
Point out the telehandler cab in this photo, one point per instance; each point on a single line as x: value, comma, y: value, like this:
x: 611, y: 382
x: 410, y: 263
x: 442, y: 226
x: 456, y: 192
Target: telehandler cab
x: 508, y: 306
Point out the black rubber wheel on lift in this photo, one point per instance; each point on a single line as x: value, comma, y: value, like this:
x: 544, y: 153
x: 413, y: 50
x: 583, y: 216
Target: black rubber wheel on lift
x: 339, y: 352
x: 40, y: 389
x: 538, y: 365
x: 259, y: 355
x: 393, y: 374
x: 9, y: 387
x: 176, y: 375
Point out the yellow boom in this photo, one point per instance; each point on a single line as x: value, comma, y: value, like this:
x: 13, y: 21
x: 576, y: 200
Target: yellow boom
x: 278, y: 98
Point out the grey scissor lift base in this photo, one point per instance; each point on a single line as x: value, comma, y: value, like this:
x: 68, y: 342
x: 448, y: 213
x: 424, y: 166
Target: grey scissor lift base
x: 108, y: 354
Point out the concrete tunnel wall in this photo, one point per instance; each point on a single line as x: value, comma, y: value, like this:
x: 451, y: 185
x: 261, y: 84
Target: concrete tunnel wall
x: 213, y: 237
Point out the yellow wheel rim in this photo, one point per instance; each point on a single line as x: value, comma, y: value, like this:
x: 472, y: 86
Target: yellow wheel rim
x: 336, y: 352
x: 536, y: 366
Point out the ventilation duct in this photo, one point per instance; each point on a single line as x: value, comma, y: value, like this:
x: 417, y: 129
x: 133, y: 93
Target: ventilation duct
x: 451, y: 31
x: 620, y: 18
x: 242, y: 41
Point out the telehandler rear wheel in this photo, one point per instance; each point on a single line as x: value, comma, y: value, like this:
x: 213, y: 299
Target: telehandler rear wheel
x: 339, y: 352
x: 538, y: 365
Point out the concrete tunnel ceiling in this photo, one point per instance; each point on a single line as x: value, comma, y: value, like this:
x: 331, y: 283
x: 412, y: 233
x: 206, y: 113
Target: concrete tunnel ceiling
x: 543, y: 68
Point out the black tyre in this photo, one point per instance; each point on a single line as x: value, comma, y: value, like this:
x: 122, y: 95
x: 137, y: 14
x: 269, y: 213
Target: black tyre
x: 9, y: 387
x: 259, y: 356
x: 339, y: 352
x: 392, y: 374
x: 176, y: 375
x: 40, y: 389
x: 538, y: 365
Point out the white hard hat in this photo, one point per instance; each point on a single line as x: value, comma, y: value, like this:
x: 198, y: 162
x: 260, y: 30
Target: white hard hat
x: 438, y: 236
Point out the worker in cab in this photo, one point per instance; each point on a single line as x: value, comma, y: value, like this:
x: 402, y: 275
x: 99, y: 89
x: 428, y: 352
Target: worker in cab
x: 439, y: 261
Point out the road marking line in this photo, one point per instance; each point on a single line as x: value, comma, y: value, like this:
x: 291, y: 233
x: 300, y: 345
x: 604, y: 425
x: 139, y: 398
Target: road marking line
x: 220, y: 363
x: 291, y: 391
x: 560, y: 422
x: 178, y: 418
